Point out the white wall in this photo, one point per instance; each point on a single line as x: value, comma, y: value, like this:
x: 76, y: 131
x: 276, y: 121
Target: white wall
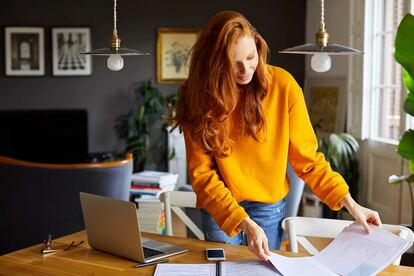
x: 337, y: 22
x: 346, y: 71
x: 337, y: 26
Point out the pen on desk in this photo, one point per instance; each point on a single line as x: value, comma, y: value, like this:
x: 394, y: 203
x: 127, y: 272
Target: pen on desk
x: 152, y: 263
x: 218, y: 268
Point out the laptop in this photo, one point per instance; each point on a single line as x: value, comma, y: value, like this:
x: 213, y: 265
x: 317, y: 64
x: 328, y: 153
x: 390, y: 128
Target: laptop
x: 112, y: 226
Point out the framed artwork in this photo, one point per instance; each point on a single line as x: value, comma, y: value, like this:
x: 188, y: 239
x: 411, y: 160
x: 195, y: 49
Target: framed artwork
x: 173, y: 53
x: 326, y: 103
x: 67, y: 44
x: 24, y: 51
x: 323, y: 105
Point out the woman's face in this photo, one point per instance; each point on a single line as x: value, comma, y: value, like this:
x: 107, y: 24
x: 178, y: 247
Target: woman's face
x: 245, y: 58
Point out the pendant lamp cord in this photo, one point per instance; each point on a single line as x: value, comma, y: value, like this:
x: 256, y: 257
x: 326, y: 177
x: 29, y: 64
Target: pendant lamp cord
x: 323, y: 14
x: 115, y: 32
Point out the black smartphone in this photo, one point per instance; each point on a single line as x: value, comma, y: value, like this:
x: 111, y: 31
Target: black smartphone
x: 215, y: 254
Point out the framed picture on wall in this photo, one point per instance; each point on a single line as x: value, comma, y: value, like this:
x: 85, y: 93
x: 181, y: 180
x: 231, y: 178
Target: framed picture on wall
x: 173, y: 53
x: 24, y: 54
x: 326, y: 100
x: 67, y: 44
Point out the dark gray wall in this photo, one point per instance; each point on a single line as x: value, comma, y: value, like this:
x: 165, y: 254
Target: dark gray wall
x: 108, y: 94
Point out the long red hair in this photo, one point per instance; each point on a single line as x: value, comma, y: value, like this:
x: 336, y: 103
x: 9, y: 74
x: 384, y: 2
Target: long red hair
x: 210, y: 94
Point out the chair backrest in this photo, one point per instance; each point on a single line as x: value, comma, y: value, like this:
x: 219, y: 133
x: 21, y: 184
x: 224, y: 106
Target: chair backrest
x: 174, y: 200
x: 294, y: 196
x: 298, y: 228
x: 38, y: 198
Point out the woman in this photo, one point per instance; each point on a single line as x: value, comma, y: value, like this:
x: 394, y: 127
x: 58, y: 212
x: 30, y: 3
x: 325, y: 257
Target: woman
x: 243, y: 121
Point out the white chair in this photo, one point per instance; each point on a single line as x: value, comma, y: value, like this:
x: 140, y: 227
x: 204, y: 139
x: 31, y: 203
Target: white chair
x: 298, y: 228
x: 176, y: 200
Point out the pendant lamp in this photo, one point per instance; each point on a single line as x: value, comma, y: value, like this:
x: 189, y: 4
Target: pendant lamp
x: 115, y: 61
x: 321, y: 50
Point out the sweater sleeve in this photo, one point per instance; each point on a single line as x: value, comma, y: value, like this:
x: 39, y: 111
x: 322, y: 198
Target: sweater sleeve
x: 309, y: 164
x: 212, y: 193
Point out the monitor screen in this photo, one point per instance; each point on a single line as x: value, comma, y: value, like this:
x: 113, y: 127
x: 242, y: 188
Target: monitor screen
x: 49, y: 136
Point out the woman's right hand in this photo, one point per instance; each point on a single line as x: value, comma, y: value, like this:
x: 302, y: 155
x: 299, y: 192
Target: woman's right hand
x: 256, y: 238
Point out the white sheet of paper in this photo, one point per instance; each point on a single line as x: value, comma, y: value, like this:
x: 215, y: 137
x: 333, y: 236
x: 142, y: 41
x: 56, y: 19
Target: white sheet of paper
x: 248, y: 268
x: 185, y: 270
x: 299, y: 266
x: 354, y: 252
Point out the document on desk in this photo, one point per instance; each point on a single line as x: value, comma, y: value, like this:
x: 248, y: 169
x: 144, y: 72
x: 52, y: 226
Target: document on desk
x: 242, y: 268
x: 185, y: 270
x: 354, y: 252
x: 299, y: 266
x: 249, y: 268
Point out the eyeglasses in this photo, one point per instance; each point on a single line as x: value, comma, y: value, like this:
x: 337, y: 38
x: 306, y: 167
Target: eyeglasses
x: 47, y: 246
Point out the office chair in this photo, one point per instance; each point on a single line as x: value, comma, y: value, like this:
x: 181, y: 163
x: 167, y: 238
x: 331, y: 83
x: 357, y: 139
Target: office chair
x: 298, y: 228
x: 40, y: 198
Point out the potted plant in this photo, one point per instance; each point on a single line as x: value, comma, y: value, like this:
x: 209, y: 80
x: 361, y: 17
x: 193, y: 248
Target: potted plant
x: 404, y: 54
x: 340, y: 151
x: 135, y: 126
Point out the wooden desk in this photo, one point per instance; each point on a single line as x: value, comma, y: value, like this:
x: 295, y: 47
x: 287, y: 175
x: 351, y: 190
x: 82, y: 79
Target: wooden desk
x: 86, y: 261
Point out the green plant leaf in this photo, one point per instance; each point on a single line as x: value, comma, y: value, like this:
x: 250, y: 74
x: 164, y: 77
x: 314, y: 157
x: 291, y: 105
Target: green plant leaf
x: 404, y: 41
x: 408, y: 81
x: 409, y: 103
x: 135, y: 127
x: 405, y: 147
x: 411, y: 166
x: 351, y: 141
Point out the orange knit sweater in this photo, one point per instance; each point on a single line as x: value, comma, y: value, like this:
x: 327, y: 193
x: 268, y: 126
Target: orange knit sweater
x: 256, y: 171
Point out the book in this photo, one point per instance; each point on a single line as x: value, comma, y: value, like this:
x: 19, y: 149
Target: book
x: 153, y: 185
x: 135, y: 191
x: 154, y: 177
x: 143, y: 184
x: 143, y: 187
x: 137, y: 198
x: 151, y: 217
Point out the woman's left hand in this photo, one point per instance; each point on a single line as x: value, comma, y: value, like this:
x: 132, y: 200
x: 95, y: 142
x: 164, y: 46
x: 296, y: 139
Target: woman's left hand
x: 361, y: 214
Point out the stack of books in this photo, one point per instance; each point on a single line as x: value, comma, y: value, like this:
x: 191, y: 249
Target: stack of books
x: 148, y: 185
x: 151, y: 217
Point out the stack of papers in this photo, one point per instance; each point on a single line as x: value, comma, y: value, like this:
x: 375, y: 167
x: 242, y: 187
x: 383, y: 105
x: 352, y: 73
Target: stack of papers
x: 352, y: 253
x: 249, y: 268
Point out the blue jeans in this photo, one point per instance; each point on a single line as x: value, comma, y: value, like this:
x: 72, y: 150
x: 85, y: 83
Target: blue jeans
x: 268, y: 216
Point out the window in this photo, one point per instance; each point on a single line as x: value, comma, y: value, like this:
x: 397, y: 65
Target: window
x: 387, y: 119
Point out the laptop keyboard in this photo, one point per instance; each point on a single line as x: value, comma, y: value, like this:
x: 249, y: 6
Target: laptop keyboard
x: 148, y: 252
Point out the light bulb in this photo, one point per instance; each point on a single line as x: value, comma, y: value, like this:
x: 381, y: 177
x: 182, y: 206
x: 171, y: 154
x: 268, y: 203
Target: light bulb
x: 321, y: 62
x: 115, y: 62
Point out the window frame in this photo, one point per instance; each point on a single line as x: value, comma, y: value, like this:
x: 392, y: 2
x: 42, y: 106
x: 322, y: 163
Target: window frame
x: 374, y: 30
